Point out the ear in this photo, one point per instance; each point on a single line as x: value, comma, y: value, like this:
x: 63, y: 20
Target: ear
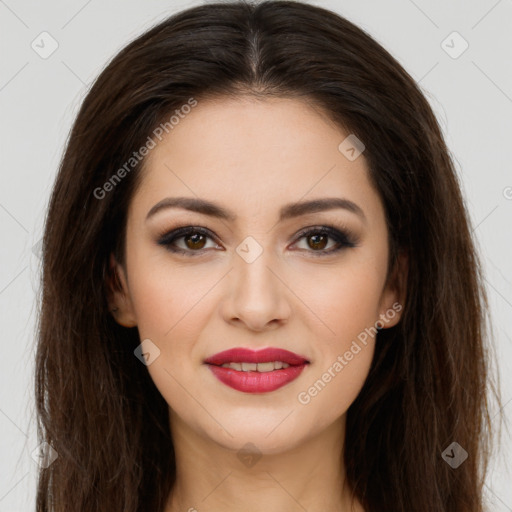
x: 394, y: 294
x: 118, y: 295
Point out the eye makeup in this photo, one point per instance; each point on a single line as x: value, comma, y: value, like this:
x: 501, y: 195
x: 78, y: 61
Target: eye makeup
x: 199, y: 235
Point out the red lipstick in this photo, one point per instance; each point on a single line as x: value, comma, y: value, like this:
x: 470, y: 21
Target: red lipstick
x: 258, y: 371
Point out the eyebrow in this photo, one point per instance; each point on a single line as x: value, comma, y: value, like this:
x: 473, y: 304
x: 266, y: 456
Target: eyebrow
x: 286, y: 212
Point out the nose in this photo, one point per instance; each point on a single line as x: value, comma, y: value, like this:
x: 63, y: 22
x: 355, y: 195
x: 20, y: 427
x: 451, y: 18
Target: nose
x: 256, y: 296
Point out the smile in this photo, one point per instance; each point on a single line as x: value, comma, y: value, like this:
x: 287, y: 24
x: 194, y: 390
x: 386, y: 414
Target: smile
x: 259, y: 371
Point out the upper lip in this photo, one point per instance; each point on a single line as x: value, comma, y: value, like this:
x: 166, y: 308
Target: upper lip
x: 245, y: 355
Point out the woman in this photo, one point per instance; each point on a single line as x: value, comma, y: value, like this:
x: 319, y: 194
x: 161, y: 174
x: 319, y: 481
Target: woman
x: 260, y: 290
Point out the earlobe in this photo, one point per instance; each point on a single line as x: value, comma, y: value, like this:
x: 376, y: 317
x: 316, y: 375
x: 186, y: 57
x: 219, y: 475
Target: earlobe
x: 394, y: 295
x: 119, y: 300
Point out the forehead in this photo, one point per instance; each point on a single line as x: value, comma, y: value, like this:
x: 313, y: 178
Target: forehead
x: 253, y: 155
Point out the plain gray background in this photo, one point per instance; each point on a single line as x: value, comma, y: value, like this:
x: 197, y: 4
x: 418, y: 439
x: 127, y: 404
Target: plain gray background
x: 470, y: 91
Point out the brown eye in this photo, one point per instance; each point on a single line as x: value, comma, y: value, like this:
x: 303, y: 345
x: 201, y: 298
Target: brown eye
x: 317, y: 242
x: 195, y: 241
x: 190, y: 240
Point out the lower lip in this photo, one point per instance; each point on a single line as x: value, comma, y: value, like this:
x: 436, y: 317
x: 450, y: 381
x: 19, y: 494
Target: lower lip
x: 256, y: 382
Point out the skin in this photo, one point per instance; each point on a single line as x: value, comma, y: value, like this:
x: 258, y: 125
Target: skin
x: 252, y: 157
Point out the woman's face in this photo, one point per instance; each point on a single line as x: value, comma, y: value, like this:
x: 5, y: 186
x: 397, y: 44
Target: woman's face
x: 250, y: 278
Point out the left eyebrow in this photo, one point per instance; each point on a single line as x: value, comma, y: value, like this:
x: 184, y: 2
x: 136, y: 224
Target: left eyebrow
x: 286, y: 212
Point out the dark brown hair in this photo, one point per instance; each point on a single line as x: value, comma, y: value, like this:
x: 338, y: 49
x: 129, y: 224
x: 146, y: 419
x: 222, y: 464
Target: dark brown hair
x: 429, y: 383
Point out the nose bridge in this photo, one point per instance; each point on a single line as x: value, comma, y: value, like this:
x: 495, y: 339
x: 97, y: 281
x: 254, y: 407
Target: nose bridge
x: 252, y: 267
x: 257, y: 295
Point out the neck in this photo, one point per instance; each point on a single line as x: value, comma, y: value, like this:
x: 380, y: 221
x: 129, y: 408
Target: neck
x: 210, y: 477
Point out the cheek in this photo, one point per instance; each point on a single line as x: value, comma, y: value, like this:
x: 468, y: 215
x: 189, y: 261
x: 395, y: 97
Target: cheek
x: 343, y: 353
x: 345, y: 312
x: 343, y: 301
x: 165, y: 298
x: 333, y: 388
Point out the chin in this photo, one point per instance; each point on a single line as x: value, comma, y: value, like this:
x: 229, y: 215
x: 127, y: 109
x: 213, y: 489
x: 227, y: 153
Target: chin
x: 268, y: 437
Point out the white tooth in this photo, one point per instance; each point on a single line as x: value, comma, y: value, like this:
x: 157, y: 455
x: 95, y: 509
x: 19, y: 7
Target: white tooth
x: 265, y: 367
x: 256, y: 367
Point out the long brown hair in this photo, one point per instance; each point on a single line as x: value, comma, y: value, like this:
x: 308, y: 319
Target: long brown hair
x: 429, y: 384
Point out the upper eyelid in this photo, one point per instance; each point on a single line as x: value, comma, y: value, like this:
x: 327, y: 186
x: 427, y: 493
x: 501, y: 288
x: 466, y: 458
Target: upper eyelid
x: 318, y: 227
x: 344, y: 233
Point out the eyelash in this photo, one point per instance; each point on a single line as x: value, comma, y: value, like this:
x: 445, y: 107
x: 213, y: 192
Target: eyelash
x: 343, y: 238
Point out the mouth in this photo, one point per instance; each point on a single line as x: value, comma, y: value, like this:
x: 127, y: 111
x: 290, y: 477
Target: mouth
x: 259, y: 371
